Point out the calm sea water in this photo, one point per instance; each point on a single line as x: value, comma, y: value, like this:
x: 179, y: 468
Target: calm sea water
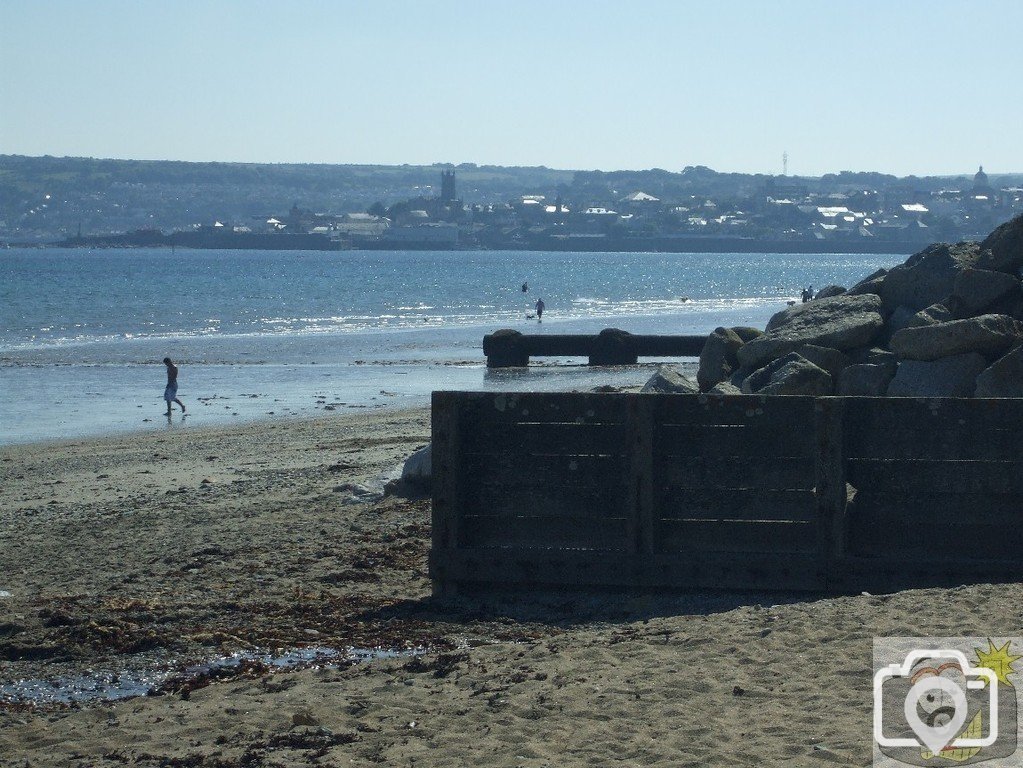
x: 267, y: 334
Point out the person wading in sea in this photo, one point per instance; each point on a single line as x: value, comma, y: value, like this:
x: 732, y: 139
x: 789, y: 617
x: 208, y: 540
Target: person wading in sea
x: 170, y: 394
x: 540, y: 306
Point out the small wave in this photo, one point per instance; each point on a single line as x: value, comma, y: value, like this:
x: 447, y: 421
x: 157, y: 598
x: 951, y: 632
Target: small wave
x: 581, y: 308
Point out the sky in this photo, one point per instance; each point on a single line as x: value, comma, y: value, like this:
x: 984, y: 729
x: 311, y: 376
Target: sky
x: 924, y: 87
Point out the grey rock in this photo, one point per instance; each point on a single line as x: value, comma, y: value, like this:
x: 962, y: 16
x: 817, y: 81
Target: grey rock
x: 948, y: 377
x: 935, y: 313
x: 841, y: 322
x: 1002, y: 250
x: 870, y: 284
x: 828, y: 291
x: 746, y: 333
x: 865, y: 380
x: 724, y: 388
x: 762, y: 376
x: 978, y: 289
x: 1011, y: 305
x: 670, y: 380
x: 718, y: 359
x: 902, y: 317
x: 1004, y: 378
x: 737, y: 378
x: 417, y: 471
x: 990, y: 335
x: 873, y: 356
x: 789, y: 375
x: 928, y: 276
x: 831, y: 360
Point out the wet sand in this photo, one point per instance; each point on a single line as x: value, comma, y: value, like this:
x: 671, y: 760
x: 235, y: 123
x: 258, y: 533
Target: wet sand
x: 152, y: 552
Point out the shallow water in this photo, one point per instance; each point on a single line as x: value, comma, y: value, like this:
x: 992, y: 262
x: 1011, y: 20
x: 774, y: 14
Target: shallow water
x: 281, y: 334
x: 109, y: 685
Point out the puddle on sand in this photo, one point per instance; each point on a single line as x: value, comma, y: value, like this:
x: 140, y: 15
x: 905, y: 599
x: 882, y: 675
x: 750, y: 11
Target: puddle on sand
x: 109, y: 685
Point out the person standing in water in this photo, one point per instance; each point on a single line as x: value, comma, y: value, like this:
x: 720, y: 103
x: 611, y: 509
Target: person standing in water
x: 170, y: 394
x: 540, y: 306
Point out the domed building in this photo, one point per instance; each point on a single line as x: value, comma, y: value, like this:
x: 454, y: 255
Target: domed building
x: 981, y: 187
x: 982, y: 205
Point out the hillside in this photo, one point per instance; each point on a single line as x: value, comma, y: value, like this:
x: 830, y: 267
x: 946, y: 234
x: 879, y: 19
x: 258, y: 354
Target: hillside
x: 49, y: 198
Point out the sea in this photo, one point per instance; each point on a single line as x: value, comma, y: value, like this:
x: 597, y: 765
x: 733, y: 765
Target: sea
x: 283, y: 334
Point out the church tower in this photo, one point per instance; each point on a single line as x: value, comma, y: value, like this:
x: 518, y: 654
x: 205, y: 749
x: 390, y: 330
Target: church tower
x: 447, y: 187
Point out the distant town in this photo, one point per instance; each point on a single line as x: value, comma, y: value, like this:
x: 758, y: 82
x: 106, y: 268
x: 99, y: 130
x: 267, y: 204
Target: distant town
x: 81, y: 202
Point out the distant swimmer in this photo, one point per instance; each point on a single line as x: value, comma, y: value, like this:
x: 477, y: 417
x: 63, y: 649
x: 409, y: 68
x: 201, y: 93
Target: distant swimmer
x: 170, y: 394
x: 540, y: 307
x: 525, y: 287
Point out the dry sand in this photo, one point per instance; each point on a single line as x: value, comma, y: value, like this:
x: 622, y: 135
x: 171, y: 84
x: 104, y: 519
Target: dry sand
x: 155, y: 550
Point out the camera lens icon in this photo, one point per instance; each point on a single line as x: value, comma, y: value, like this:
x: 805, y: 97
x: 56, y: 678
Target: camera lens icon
x: 937, y: 704
x: 936, y: 710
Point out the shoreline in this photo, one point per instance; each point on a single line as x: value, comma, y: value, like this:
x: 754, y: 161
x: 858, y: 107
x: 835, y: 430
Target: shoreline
x: 668, y: 244
x: 221, y: 429
x: 82, y: 402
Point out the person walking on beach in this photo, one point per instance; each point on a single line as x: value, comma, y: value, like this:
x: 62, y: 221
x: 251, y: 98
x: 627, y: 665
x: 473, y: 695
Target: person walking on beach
x: 170, y: 394
x: 540, y: 306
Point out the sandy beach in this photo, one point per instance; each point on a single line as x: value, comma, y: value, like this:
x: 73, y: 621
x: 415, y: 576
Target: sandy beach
x: 151, y: 553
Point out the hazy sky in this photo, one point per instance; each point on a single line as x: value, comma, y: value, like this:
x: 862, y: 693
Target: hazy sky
x: 899, y: 86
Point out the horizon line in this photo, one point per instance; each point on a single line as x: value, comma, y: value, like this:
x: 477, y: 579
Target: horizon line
x: 456, y: 166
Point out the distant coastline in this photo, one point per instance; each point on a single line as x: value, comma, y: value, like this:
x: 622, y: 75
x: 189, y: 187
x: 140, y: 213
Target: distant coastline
x: 567, y: 244
x: 73, y: 202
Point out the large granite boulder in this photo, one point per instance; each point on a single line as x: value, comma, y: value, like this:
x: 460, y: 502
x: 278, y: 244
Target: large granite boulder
x: 746, y: 333
x: 789, y: 375
x: 831, y: 360
x: 417, y: 472
x: 948, y: 377
x: 989, y: 335
x: 865, y: 380
x: 1011, y: 305
x: 904, y: 317
x: 828, y: 291
x: 724, y: 388
x: 1004, y: 378
x: 928, y: 276
x: 930, y: 327
x: 870, y: 284
x: 718, y: 359
x: 873, y: 356
x: 934, y: 314
x: 670, y: 380
x: 841, y: 322
x: 1002, y: 250
x: 977, y: 289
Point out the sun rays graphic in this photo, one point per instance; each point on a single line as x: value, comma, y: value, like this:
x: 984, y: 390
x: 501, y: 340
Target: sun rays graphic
x: 998, y: 660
